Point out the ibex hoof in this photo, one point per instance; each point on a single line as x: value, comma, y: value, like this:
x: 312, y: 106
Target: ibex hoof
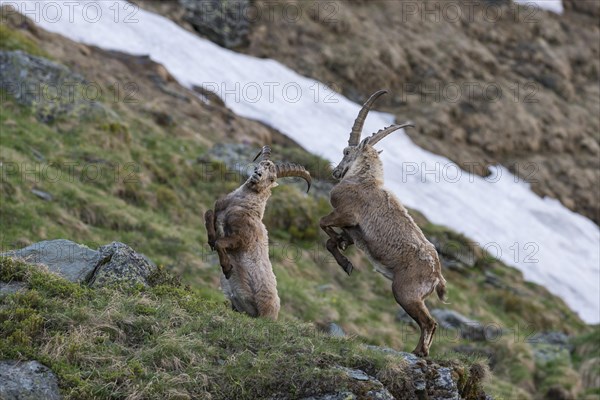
x: 348, y: 267
x: 420, y: 353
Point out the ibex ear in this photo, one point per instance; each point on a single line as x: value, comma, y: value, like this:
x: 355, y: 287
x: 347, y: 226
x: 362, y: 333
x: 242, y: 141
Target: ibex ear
x: 364, y: 143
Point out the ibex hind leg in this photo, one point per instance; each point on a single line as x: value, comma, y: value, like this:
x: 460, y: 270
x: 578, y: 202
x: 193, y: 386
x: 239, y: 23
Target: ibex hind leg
x: 268, y: 308
x: 415, y: 307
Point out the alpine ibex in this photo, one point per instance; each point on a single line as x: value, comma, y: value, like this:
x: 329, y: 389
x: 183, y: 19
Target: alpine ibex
x: 235, y: 229
x: 371, y: 217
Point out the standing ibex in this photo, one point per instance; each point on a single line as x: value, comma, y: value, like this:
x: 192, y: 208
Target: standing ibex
x: 235, y: 229
x: 374, y: 219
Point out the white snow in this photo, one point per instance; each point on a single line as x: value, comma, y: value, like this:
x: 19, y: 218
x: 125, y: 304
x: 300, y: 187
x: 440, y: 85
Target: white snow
x: 555, y: 6
x: 550, y: 244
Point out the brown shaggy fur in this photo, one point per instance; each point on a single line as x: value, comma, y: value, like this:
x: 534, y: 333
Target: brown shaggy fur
x: 372, y: 218
x: 235, y: 229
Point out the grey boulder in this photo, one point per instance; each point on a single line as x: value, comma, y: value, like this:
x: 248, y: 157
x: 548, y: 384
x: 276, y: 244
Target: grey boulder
x: 68, y: 259
x: 468, y: 328
x: 112, y: 264
x: 27, y: 380
x: 50, y: 89
x: 121, y: 265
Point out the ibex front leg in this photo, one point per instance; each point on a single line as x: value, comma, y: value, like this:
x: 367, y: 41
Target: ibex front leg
x: 222, y: 245
x: 209, y: 222
x: 336, y: 240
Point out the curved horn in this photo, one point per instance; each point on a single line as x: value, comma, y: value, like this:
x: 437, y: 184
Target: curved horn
x: 362, y: 116
x: 376, y: 137
x: 265, y: 153
x: 288, y: 169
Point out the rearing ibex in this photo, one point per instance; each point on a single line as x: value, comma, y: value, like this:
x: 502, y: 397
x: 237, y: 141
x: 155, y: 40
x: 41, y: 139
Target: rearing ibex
x: 372, y: 217
x: 236, y: 231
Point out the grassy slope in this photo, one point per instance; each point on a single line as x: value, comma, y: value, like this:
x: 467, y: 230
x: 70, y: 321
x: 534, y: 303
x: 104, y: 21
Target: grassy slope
x: 169, y: 342
x: 157, y: 207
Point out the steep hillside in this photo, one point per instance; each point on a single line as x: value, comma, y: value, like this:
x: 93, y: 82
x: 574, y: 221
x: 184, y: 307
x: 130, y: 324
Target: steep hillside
x: 485, y: 82
x: 143, y: 171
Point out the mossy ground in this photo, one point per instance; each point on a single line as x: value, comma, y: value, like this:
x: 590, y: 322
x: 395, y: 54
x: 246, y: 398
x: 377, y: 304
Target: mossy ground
x: 134, y: 181
x: 170, y: 342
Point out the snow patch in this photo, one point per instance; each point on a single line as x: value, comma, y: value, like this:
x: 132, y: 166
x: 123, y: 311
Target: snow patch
x: 556, y: 6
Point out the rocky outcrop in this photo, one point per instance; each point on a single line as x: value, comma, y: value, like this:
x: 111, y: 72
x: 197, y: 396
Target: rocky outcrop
x: 112, y: 264
x: 50, y: 89
x: 468, y: 328
x: 428, y: 379
x: 369, y: 387
x: 11, y: 287
x: 120, y: 264
x: 225, y: 22
x: 68, y: 259
x: 28, y: 380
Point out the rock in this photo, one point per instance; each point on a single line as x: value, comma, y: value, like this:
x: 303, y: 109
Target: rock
x: 11, y: 287
x: 222, y: 21
x: 115, y: 263
x: 51, y: 89
x: 428, y: 379
x: 121, y: 265
x: 237, y: 157
x: 545, y: 353
x: 42, y: 195
x: 417, y: 367
x: 325, y: 287
x: 356, y: 374
x: 558, y: 339
x: 402, y: 316
x: 468, y: 328
x: 454, y: 255
x: 336, y: 396
x: 70, y: 260
x: 443, y: 386
x: 369, y: 388
x: 549, y: 346
x: 494, y: 280
x: 377, y: 390
x: 27, y: 380
x: 335, y: 330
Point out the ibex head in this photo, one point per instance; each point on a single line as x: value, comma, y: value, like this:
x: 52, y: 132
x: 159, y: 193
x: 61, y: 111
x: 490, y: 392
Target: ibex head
x: 267, y: 172
x: 357, y: 151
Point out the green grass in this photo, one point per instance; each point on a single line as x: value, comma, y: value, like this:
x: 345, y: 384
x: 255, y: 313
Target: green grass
x: 11, y: 39
x: 168, y: 341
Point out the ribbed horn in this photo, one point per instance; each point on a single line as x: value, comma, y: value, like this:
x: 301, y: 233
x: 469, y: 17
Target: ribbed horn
x: 265, y: 153
x: 376, y: 137
x: 362, y: 116
x: 288, y: 169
